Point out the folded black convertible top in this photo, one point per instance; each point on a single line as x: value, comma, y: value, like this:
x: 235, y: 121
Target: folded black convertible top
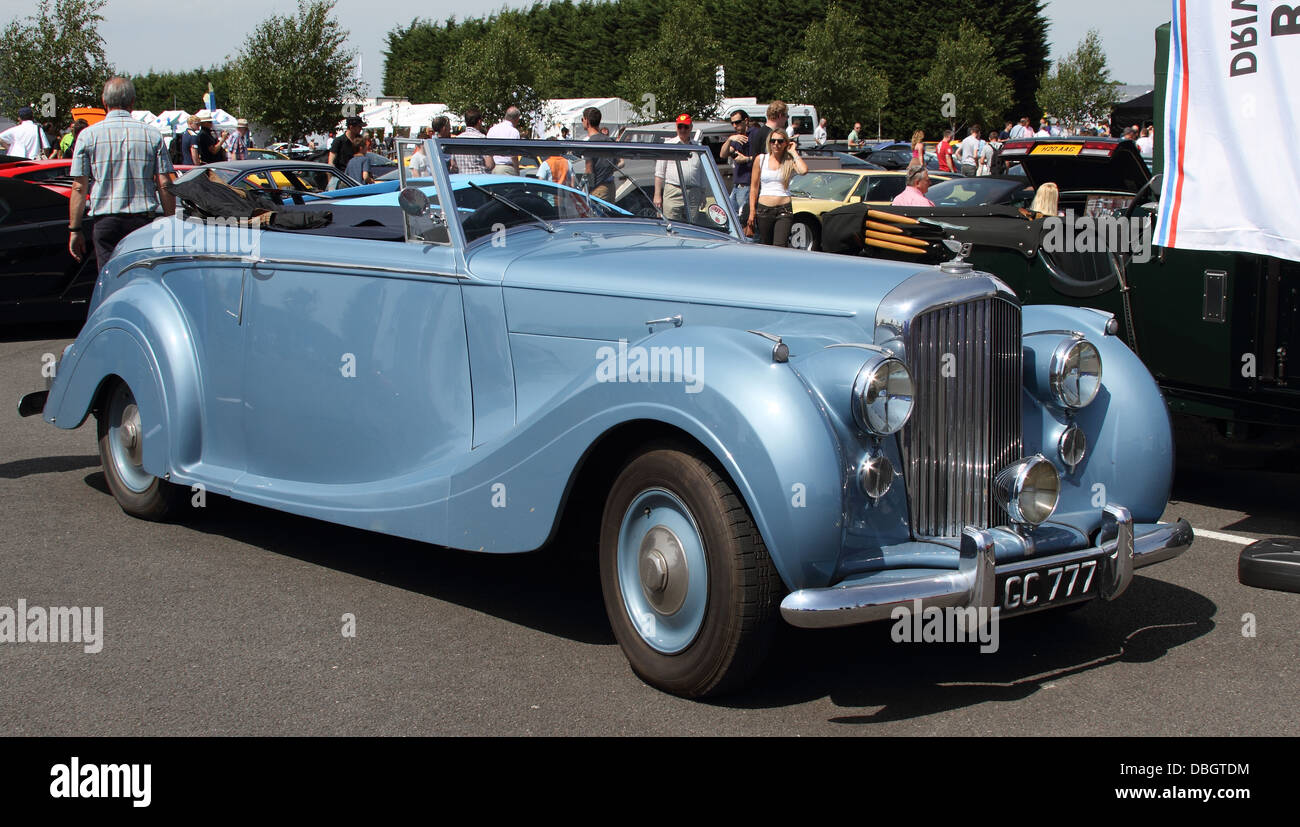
x: 210, y: 197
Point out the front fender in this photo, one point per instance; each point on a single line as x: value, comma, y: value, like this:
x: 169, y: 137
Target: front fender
x: 139, y: 335
x: 1130, y: 454
x: 754, y: 415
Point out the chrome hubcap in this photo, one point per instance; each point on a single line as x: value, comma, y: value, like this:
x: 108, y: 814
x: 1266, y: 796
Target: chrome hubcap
x: 129, y: 435
x: 665, y: 574
x: 126, y: 441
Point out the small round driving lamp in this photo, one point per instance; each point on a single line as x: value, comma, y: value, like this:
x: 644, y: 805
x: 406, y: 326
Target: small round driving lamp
x: 1075, y: 373
x: 882, y: 395
x: 875, y: 475
x: 1072, y: 446
x: 1028, y: 490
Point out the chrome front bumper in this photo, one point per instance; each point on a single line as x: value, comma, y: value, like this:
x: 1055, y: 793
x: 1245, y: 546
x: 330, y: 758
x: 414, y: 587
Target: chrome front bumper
x: 972, y: 583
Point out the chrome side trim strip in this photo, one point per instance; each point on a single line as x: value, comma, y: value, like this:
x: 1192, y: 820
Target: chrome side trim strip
x: 249, y: 261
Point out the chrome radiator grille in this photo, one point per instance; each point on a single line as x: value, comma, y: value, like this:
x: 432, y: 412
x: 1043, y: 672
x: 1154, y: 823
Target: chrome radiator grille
x: 965, y: 424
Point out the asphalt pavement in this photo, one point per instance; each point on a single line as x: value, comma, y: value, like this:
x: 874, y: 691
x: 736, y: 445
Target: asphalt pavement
x: 231, y: 622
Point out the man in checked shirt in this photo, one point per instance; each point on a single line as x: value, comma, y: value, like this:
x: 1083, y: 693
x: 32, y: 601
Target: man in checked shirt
x: 127, y: 163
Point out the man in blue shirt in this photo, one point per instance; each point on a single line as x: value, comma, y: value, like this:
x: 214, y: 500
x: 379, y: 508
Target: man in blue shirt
x: 358, y: 168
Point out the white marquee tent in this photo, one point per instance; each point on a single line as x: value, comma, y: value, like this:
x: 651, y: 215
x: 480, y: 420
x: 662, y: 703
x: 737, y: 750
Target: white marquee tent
x: 615, y: 113
x: 391, y: 116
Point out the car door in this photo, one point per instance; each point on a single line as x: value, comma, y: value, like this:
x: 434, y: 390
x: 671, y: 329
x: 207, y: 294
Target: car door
x: 356, y: 363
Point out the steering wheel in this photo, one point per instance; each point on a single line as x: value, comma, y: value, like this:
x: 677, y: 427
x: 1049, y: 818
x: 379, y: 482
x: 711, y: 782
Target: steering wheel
x: 1137, y: 198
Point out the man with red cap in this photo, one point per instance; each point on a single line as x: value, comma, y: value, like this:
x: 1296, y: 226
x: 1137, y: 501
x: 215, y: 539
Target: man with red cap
x: 674, y: 182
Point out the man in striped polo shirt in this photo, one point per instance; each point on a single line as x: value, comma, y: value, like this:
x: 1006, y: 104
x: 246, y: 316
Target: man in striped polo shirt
x: 125, y: 166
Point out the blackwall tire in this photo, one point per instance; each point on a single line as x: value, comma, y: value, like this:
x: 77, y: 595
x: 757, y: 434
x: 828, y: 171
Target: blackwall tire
x: 689, y: 587
x: 121, y: 447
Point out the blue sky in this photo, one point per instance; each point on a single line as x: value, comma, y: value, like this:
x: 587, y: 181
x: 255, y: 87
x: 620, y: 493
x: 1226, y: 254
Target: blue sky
x: 144, y: 34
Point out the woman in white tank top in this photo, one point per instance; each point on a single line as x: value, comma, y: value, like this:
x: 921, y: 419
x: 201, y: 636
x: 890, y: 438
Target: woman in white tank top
x: 770, y: 216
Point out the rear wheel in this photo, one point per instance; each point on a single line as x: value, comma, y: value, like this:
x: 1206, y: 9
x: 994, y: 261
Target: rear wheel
x: 805, y: 234
x: 689, y: 587
x: 121, y: 451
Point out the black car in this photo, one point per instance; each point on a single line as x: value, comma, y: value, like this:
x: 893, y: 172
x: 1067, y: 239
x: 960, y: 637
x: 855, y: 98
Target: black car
x: 1008, y: 190
x: 286, y: 176
x: 40, y: 281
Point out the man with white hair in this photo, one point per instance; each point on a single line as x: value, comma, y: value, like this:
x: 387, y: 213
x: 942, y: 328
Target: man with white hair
x: 506, y: 128
x: 127, y: 163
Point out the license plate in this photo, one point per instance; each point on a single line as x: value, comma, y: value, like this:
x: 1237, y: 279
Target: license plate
x: 1056, y: 149
x: 1050, y: 585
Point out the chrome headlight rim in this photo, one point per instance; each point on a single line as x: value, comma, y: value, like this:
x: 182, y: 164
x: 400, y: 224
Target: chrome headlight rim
x: 1013, y: 482
x: 1062, y: 393
x: 866, y: 413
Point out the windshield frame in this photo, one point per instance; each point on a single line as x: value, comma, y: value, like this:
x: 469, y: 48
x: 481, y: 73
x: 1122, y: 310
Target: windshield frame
x: 439, y: 149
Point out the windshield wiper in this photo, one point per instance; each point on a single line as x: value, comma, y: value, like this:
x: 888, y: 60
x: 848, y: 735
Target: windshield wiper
x: 801, y: 193
x: 501, y: 199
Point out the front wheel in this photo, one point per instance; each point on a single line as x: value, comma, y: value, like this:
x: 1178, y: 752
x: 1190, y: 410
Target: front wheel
x: 121, y: 451
x: 689, y: 587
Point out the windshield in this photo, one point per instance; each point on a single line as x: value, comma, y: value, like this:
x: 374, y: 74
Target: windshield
x: 833, y: 186
x: 583, y: 180
x: 969, y: 192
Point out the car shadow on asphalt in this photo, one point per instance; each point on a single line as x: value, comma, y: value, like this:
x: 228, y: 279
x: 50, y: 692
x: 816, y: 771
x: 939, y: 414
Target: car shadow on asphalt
x: 875, y: 680
x: 1267, y: 498
x: 859, y: 668
x: 46, y: 465
x: 547, y: 590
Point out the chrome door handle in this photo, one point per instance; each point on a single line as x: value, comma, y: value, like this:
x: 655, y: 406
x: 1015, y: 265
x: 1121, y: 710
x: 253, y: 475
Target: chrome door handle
x: 675, y: 321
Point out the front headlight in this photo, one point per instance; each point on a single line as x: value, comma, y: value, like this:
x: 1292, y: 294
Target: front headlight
x: 882, y: 395
x: 1075, y: 373
x: 1028, y: 489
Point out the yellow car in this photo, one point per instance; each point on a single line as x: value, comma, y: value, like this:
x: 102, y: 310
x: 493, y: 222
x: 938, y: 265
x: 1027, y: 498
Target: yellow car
x: 817, y: 191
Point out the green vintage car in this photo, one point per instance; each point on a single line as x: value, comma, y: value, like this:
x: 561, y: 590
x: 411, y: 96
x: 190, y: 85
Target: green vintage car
x: 1218, y: 330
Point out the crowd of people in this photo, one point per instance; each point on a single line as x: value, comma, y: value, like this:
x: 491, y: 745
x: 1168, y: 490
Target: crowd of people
x: 764, y: 157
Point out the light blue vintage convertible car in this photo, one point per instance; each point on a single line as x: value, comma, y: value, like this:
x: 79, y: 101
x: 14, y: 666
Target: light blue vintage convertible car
x: 747, y: 433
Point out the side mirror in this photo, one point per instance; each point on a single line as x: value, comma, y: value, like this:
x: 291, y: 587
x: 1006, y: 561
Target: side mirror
x: 855, y: 199
x: 413, y: 201
x: 1270, y: 564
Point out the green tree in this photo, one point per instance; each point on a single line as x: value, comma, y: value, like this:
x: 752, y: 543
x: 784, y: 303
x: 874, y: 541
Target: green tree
x: 54, y: 59
x: 964, y: 84
x: 295, y: 74
x: 677, y: 72
x: 160, y: 91
x: 834, y: 71
x: 1079, y: 90
x: 500, y: 69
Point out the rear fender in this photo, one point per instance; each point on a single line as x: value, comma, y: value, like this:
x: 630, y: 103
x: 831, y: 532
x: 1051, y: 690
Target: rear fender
x: 139, y: 336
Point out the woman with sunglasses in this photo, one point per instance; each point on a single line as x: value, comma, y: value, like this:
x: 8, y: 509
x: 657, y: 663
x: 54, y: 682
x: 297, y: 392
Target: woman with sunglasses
x: 770, y: 216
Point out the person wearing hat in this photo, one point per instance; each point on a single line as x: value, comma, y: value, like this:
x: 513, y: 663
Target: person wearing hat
x: 26, y: 139
x: 207, y: 146
x: 237, y: 143
x: 345, y: 145
x: 673, y: 180
x: 124, y: 165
